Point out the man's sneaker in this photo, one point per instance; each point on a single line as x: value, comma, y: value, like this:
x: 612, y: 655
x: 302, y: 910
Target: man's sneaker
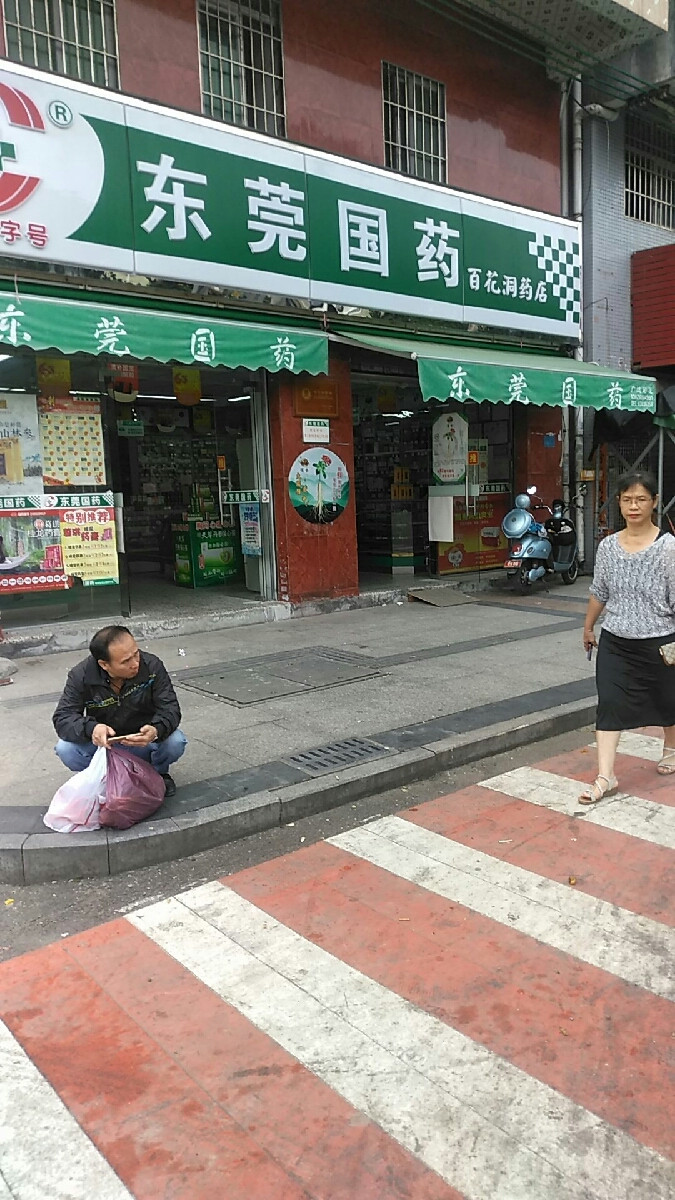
x: 169, y: 786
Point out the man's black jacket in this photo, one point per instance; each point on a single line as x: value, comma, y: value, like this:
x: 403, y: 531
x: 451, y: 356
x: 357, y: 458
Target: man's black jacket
x: 88, y: 700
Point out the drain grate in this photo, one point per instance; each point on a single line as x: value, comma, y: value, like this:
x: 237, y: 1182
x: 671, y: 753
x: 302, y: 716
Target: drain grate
x: 337, y: 755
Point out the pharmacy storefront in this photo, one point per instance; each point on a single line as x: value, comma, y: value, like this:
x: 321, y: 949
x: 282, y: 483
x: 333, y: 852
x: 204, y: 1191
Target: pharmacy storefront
x: 230, y: 446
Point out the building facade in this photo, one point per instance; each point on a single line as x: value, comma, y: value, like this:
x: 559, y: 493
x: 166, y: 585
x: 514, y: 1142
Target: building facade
x: 628, y: 127
x: 290, y: 293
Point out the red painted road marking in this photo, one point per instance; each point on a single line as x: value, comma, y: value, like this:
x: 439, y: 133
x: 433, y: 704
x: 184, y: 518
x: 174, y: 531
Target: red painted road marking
x: 604, y: 1044
x: 186, y: 1098
x: 637, y: 776
x: 612, y: 866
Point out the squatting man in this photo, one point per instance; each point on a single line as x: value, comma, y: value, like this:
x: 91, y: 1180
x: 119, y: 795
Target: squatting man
x: 124, y: 693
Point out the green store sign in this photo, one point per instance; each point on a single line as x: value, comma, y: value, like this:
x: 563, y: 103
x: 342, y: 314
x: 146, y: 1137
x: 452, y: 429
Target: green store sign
x: 98, y: 182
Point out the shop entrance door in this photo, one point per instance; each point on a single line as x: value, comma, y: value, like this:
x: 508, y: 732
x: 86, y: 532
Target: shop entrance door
x: 198, y: 527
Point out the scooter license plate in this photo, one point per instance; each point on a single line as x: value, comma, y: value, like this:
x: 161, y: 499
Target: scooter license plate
x: 511, y: 563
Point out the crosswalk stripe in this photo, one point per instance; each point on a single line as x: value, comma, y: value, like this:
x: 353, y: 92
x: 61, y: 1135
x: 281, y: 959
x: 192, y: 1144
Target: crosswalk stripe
x: 43, y: 1151
x: 624, y: 871
x: 646, y: 819
x: 567, y: 1024
x: 634, y: 948
x: 465, y: 1112
x: 641, y: 745
x: 322, y: 1143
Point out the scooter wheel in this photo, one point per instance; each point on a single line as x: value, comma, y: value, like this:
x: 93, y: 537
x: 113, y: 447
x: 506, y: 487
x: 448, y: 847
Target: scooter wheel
x: 572, y: 575
x: 524, y: 584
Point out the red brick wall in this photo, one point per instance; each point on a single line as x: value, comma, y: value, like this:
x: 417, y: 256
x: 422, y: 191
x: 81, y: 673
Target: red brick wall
x: 159, y: 51
x: 314, y: 561
x: 653, y: 305
x: 502, y: 112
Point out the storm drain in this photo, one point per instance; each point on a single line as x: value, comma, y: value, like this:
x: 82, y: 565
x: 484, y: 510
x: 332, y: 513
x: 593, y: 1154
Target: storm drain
x: 337, y: 755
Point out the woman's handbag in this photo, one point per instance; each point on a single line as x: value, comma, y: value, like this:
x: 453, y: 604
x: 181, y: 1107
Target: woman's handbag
x: 667, y: 653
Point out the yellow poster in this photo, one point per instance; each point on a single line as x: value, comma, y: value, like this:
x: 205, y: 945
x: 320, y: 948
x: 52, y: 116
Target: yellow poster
x: 53, y: 377
x: 187, y: 385
x: 88, y: 545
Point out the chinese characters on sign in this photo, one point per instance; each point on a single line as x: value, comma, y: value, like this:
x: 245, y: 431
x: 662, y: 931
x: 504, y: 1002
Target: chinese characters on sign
x: 46, y: 545
x: 183, y: 208
x: 277, y: 213
x: 170, y: 196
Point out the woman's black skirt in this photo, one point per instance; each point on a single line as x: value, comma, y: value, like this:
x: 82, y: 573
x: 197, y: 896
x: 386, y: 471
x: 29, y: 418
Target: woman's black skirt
x: 635, y: 687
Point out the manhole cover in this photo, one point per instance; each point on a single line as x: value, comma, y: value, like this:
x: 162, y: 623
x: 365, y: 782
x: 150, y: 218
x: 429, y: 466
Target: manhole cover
x: 337, y: 755
x: 254, y: 680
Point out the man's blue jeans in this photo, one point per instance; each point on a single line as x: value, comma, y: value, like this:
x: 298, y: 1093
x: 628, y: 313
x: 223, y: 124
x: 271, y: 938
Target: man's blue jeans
x: 77, y: 755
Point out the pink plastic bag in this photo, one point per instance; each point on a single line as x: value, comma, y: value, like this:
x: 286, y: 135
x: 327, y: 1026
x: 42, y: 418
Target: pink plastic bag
x: 76, y: 806
x: 134, y: 790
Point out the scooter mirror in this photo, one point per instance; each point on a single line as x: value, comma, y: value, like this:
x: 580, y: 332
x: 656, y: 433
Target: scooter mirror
x: 531, y: 491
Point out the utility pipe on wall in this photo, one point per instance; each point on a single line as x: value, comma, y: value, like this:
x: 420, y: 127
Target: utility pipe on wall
x: 577, y: 181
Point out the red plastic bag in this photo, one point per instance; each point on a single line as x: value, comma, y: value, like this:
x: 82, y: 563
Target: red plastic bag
x: 133, y: 790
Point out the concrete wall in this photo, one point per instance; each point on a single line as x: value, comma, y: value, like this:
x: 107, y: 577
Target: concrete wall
x: 609, y: 240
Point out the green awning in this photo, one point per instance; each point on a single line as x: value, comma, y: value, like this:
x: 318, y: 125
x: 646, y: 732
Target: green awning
x: 121, y: 331
x: 455, y: 372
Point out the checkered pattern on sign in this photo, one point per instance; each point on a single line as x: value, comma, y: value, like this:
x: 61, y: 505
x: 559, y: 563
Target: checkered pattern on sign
x: 561, y: 263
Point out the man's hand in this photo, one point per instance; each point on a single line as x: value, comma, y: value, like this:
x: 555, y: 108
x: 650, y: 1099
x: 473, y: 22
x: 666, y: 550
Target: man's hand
x: 101, y: 733
x: 147, y: 734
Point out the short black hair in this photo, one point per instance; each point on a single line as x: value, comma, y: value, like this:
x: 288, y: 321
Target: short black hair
x: 101, y: 642
x: 644, y: 479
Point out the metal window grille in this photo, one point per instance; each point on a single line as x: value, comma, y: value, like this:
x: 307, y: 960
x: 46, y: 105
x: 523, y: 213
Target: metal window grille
x: 650, y: 173
x: 72, y: 37
x: 414, y: 124
x: 242, y: 63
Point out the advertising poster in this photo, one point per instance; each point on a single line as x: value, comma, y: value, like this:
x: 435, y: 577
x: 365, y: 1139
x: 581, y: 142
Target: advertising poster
x: 71, y: 436
x: 249, y: 519
x: 205, y: 553
x: 318, y: 485
x: 20, y: 455
x: 49, y: 543
x: 187, y: 385
x: 53, y: 375
x: 478, y: 540
x: 450, y: 448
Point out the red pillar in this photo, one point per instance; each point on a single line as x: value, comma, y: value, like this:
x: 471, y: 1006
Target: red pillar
x: 315, y: 561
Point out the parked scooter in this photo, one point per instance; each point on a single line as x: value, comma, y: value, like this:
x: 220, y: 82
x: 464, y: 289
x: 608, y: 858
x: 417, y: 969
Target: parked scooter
x: 537, y: 549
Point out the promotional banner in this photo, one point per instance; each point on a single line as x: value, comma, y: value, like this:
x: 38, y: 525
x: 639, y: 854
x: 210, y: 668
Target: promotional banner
x: 450, y: 448
x: 20, y: 454
x: 163, y: 194
x: 478, y: 539
x: 249, y: 519
x: 50, y: 543
x: 71, y: 436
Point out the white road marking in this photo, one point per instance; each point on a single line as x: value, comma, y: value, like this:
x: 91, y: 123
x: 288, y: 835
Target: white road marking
x: 44, y: 1154
x: 640, y: 745
x: 486, y: 1127
x: 634, y: 948
x: 644, y: 819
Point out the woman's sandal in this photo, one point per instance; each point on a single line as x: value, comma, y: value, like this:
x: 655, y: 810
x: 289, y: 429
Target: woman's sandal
x: 596, y: 791
x: 667, y: 763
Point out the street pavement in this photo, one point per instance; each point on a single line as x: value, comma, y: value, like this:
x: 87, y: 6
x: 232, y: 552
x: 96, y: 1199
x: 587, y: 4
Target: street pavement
x: 263, y: 692
x: 469, y: 998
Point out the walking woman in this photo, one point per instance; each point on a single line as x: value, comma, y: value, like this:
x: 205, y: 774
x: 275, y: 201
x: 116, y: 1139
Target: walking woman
x: 634, y: 584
